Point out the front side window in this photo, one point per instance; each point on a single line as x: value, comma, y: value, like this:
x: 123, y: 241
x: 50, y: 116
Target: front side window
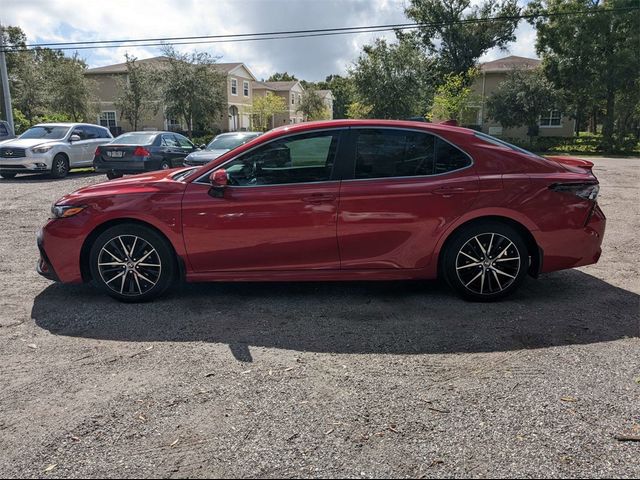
x: 393, y: 153
x: 245, y: 88
x: 552, y: 118
x: 81, y: 132
x: 234, y: 86
x: 299, y: 159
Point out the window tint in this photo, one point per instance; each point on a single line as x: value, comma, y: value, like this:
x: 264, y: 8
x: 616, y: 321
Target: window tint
x: 91, y: 132
x: 183, y: 142
x: 169, y: 141
x: 449, y: 158
x: 299, y: 159
x: 393, y: 153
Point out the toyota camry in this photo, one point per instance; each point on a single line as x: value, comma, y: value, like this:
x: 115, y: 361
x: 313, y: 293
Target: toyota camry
x: 335, y: 200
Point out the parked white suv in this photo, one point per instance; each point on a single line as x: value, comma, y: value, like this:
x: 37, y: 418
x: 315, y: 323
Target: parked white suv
x: 52, y: 147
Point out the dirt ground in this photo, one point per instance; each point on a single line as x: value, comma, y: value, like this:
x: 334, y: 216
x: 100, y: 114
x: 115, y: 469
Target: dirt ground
x: 321, y: 379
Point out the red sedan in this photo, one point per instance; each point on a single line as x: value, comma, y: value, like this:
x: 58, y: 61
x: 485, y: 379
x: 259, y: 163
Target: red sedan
x: 337, y: 200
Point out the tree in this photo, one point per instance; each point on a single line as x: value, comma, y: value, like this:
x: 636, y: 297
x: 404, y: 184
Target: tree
x: 449, y: 30
x: 264, y: 108
x: 312, y: 106
x: 194, y: 90
x: 521, y: 99
x: 358, y: 110
x: 593, y: 57
x: 13, y: 39
x: 282, y: 77
x: 71, y: 92
x: 395, y: 80
x: 343, y: 92
x: 138, y: 96
x: 453, y: 98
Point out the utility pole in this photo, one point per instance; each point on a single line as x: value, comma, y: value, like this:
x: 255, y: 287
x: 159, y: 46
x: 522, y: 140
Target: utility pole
x: 5, y: 84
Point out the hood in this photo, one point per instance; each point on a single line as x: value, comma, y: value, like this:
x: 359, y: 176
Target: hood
x: 206, y: 155
x: 26, y: 142
x: 159, y: 181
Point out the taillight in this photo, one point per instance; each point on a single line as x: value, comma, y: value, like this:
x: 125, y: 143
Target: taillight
x: 98, y: 152
x: 141, y: 152
x: 587, y: 191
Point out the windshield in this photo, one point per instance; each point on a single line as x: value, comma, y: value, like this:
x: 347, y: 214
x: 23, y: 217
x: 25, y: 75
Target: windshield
x: 45, y: 131
x: 502, y: 143
x: 228, y: 142
x: 135, y: 139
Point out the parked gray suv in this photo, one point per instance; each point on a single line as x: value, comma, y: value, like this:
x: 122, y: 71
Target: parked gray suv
x: 52, y: 148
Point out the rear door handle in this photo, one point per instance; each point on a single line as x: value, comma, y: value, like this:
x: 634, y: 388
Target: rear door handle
x: 448, y: 191
x: 319, y: 198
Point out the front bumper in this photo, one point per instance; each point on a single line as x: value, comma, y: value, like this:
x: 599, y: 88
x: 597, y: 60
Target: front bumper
x: 44, y: 266
x: 28, y: 164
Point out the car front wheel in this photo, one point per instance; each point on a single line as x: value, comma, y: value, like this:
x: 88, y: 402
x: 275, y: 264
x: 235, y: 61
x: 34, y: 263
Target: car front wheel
x: 132, y: 263
x: 486, y: 261
x: 60, y: 167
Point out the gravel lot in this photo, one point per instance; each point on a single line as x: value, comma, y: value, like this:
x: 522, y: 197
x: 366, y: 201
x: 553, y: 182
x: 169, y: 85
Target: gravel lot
x: 319, y: 380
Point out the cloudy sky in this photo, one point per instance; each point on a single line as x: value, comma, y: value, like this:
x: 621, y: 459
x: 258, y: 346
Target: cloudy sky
x: 308, y: 58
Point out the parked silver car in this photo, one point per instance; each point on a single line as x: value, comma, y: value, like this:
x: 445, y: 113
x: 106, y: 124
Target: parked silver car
x: 219, y: 145
x: 5, y: 131
x: 52, y: 148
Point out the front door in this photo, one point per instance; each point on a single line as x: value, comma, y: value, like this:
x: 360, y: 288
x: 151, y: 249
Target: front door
x: 406, y: 187
x: 278, y: 212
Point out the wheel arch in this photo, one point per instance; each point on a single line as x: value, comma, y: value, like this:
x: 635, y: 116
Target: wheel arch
x: 535, y: 251
x: 99, y: 229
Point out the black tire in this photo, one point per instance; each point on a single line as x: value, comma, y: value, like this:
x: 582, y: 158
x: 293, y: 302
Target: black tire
x: 8, y: 175
x: 60, y: 166
x: 165, y: 165
x: 479, y: 274
x: 113, y: 175
x: 139, y: 283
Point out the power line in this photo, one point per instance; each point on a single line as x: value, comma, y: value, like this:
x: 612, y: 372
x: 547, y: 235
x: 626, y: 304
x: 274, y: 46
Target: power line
x: 292, y: 34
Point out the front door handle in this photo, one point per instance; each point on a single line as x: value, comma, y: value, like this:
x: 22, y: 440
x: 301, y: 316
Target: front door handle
x: 319, y: 198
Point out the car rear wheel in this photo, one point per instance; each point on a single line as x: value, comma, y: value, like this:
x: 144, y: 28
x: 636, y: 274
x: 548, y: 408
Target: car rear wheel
x: 113, y: 175
x: 60, y: 167
x: 164, y: 165
x: 486, y: 261
x: 7, y: 175
x: 132, y: 263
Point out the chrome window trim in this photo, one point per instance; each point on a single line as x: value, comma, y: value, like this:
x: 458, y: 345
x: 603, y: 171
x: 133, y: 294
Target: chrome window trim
x: 348, y: 128
x: 209, y: 172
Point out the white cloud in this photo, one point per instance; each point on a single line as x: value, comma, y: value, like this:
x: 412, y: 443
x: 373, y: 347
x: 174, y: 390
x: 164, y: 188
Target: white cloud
x: 309, y: 58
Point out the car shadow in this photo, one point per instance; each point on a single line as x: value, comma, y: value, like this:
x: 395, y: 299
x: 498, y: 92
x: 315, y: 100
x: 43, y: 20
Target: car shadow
x: 44, y: 177
x: 564, y: 308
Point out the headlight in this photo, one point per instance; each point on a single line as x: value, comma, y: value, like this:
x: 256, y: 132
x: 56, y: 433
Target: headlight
x: 64, y: 211
x: 42, y: 149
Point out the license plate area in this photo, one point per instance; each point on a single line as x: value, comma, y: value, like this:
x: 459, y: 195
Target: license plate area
x: 115, y: 154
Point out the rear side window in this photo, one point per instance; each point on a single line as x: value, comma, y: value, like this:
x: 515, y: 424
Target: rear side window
x: 394, y: 153
x: 449, y: 158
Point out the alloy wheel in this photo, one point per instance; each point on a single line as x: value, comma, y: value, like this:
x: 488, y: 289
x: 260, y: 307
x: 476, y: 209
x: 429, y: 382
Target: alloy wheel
x: 129, y: 265
x: 488, y: 263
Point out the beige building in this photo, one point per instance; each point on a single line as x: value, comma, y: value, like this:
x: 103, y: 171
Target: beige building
x: 552, y: 124
x: 239, y: 98
x: 292, y: 94
x: 327, y: 98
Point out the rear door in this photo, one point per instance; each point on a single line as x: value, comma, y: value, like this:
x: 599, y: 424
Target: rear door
x: 170, y: 149
x: 278, y: 212
x: 406, y: 186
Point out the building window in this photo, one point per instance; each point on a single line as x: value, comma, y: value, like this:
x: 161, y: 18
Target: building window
x: 245, y: 88
x: 108, y: 119
x: 552, y: 118
x: 234, y: 86
x: 299, y: 98
x: 173, y: 124
x: 293, y: 99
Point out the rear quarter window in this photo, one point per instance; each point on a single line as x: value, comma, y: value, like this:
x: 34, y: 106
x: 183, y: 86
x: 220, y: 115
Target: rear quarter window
x: 449, y: 158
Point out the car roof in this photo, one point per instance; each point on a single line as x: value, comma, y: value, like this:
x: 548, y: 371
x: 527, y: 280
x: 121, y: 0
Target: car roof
x: 68, y: 124
x: 344, y: 123
x: 227, y: 134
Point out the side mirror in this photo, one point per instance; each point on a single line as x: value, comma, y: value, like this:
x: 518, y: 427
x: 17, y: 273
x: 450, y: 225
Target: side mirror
x: 202, y: 147
x: 219, y: 181
x: 74, y: 138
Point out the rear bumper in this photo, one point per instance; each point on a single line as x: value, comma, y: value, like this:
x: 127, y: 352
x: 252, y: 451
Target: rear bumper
x: 569, y: 248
